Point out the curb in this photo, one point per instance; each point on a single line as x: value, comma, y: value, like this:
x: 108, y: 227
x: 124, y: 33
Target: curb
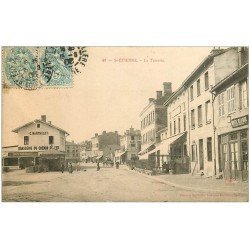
x: 172, y: 184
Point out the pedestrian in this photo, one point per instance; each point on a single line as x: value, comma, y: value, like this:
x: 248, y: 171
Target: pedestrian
x: 117, y: 164
x: 70, y: 168
x: 98, y: 166
x: 165, y: 167
x: 62, y: 167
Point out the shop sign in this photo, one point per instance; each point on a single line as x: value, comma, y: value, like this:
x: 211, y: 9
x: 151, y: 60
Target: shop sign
x: 240, y: 121
x: 38, y: 133
x: 40, y: 148
x: 22, y: 154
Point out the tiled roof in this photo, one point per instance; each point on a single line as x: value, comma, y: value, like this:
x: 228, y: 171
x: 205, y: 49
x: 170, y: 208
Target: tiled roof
x: 39, y: 121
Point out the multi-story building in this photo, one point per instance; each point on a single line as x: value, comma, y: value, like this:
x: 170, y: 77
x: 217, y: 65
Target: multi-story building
x: 86, y: 151
x: 73, y: 152
x: 100, y: 142
x: 216, y: 66
x: 176, y: 144
x: 153, y: 118
x: 130, y: 146
x: 230, y: 106
x: 39, y: 143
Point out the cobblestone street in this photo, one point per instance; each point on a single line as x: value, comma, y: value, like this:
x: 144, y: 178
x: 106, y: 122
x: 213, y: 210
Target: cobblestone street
x: 108, y: 184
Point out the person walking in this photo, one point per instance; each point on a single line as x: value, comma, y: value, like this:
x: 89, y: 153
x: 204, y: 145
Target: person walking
x: 70, y: 168
x: 62, y: 167
x: 98, y: 166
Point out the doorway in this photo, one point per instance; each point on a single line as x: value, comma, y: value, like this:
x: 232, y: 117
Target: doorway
x: 201, y: 154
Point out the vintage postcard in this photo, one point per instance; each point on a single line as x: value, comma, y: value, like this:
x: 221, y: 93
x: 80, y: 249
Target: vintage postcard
x: 127, y: 124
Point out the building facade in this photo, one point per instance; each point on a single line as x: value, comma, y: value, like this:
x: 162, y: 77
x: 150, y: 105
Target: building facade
x: 101, y: 142
x: 73, y: 151
x: 86, y: 151
x: 39, y: 143
x: 216, y: 66
x: 177, y: 141
x: 231, y: 110
x: 153, y: 118
x: 130, y: 146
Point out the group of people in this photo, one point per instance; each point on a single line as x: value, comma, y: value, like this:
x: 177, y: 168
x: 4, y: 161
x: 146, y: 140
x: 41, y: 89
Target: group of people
x: 98, y: 165
x: 69, y: 167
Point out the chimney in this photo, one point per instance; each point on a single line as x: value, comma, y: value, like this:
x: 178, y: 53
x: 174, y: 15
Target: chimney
x: 167, y: 88
x: 116, y: 132
x: 158, y: 94
x: 96, y: 134
x: 151, y: 100
x: 43, y: 118
x: 215, y: 50
x: 104, y: 132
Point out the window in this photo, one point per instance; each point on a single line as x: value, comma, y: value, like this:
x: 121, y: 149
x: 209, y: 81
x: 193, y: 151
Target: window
x: 221, y: 104
x: 230, y: 99
x: 132, y: 137
x: 38, y: 125
x: 209, y: 148
x: 198, y: 87
x: 243, y: 95
x: 179, y: 124
x: 192, y: 119
x: 193, y: 148
x: 174, y: 127
x: 208, y: 111
x: 26, y: 140
x: 206, y: 81
x: 192, y: 93
x: 170, y: 128
x: 184, y: 122
x: 200, y: 115
x: 51, y: 139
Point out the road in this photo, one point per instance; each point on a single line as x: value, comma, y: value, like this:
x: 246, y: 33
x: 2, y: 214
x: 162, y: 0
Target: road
x: 108, y: 184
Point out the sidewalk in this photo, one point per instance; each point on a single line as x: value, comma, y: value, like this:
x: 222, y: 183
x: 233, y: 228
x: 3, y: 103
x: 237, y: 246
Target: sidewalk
x: 200, y: 184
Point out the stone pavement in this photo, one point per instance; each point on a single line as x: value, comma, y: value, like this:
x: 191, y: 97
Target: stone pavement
x: 201, y: 184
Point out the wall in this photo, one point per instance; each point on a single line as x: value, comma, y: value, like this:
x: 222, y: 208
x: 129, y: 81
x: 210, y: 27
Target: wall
x: 41, y: 142
x: 223, y: 123
x: 225, y: 64
x: 206, y: 130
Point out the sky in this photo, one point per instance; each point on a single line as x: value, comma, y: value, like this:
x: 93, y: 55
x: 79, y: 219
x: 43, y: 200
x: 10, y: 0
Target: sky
x: 107, y: 95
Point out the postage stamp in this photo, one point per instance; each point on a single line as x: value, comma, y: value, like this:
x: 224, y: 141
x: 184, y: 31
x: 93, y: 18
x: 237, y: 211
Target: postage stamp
x: 42, y: 67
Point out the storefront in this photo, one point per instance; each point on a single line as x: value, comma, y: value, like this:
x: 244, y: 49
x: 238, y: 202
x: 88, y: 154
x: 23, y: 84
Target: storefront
x: 233, y: 152
x: 51, y: 160
x: 41, y: 147
x: 20, y: 159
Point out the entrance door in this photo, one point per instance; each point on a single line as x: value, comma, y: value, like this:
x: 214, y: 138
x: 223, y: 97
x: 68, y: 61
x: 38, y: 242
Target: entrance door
x: 224, y: 157
x: 201, y: 155
x: 234, y: 156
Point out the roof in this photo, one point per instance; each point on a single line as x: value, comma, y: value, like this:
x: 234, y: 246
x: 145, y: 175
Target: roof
x: 159, y: 101
x: 242, y: 71
x: 192, y: 75
x: 40, y: 121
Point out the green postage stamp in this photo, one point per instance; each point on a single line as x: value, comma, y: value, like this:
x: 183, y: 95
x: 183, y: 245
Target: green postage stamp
x: 42, y: 67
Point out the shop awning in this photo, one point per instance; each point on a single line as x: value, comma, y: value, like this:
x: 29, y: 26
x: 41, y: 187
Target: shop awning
x: 120, y: 154
x: 51, y: 152
x: 177, y: 139
x: 148, y: 149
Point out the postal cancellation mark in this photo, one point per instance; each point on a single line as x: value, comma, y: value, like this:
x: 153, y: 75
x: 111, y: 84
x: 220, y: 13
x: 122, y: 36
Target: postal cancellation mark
x: 38, y: 67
